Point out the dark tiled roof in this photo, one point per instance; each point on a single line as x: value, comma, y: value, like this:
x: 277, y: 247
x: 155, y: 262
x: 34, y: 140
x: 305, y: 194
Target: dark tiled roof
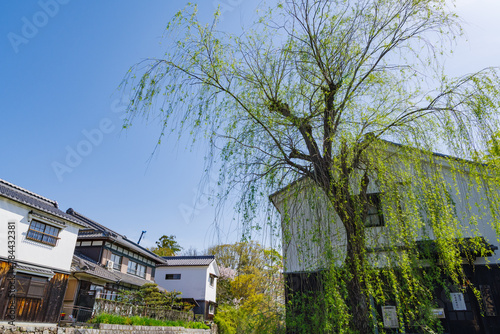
x: 83, y: 264
x: 89, y: 233
x: 203, y: 260
x: 34, y: 269
x: 26, y: 197
x: 90, y: 224
x: 96, y: 230
x: 131, y: 279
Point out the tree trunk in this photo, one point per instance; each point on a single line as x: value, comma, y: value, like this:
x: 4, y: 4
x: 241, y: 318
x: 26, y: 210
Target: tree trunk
x: 358, y: 300
x: 352, y: 211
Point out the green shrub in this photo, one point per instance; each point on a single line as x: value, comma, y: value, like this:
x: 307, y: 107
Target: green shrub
x: 105, y: 318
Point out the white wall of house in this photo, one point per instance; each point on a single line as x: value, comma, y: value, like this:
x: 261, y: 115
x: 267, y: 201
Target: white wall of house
x: 313, y: 234
x: 211, y: 290
x: 58, y: 257
x: 310, y: 228
x: 194, y: 281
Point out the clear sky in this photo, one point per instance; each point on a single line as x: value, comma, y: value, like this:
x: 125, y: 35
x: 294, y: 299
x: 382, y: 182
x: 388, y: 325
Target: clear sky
x: 61, y: 63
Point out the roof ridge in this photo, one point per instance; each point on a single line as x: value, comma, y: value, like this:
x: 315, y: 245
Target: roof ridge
x: 140, y: 246
x: 117, y: 236
x: 28, y: 192
x: 186, y: 257
x: 189, y: 260
x: 78, y: 215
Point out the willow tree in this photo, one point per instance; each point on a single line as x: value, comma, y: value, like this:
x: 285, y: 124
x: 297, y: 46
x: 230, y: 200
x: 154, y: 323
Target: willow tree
x: 309, y: 91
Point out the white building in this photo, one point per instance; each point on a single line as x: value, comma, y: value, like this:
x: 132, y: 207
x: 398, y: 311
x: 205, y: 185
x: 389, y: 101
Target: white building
x: 37, y: 241
x: 314, y: 237
x: 194, y: 276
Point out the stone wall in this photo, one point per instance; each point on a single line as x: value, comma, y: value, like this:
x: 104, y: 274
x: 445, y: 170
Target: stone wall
x: 105, y: 329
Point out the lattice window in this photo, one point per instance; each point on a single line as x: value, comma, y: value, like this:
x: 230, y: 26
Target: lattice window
x: 43, y: 233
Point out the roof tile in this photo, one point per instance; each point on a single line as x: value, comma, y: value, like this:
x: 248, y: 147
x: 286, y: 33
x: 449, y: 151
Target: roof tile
x: 26, y: 197
x: 94, y: 230
x: 203, y: 260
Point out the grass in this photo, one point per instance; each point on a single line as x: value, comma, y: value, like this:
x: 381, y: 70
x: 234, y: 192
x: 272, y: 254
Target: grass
x: 105, y: 318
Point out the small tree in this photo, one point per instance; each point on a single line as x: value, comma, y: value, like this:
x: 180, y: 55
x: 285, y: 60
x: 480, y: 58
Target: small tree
x: 166, y: 246
x: 243, y: 256
x: 149, y: 295
x: 249, y: 288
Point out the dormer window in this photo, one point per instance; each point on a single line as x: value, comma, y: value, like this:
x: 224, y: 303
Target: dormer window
x: 43, y: 233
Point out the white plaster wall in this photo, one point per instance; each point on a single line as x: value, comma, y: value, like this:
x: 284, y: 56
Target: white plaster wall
x: 193, y: 282
x: 473, y: 210
x: 211, y: 291
x: 313, y: 234
x: 58, y: 257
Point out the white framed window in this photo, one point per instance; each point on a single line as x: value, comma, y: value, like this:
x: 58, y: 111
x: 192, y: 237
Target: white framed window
x: 137, y: 269
x: 117, y: 261
x: 211, y: 308
x: 141, y: 270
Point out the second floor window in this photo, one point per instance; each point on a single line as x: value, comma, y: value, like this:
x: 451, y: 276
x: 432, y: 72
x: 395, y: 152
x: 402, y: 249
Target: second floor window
x: 117, y: 261
x: 43, y: 233
x: 375, y: 216
x: 137, y: 269
x: 173, y: 276
x: 211, y: 280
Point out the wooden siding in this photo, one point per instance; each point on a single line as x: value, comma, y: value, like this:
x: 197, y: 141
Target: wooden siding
x: 478, y: 317
x: 36, y: 301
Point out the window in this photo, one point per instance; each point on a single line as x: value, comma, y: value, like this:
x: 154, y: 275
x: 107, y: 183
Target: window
x: 137, y: 269
x: 211, y: 308
x: 43, y: 233
x: 117, y: 261
x: 99, y: 290
x: 173, y: 276
x: 211, y: 280
x: 374, y: 216
x: 30, y: 286
x: 111, y: 291
x: 141, y: 270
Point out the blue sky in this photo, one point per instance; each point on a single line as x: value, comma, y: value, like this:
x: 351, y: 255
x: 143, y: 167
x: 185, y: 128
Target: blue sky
x: 59, y: 71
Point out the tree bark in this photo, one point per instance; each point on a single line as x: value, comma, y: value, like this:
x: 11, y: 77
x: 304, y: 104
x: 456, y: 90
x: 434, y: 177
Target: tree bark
x: 357, y: 298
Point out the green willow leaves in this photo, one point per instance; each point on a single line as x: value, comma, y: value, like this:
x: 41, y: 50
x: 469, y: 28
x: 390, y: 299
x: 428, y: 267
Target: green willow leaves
x: 317, y: 91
